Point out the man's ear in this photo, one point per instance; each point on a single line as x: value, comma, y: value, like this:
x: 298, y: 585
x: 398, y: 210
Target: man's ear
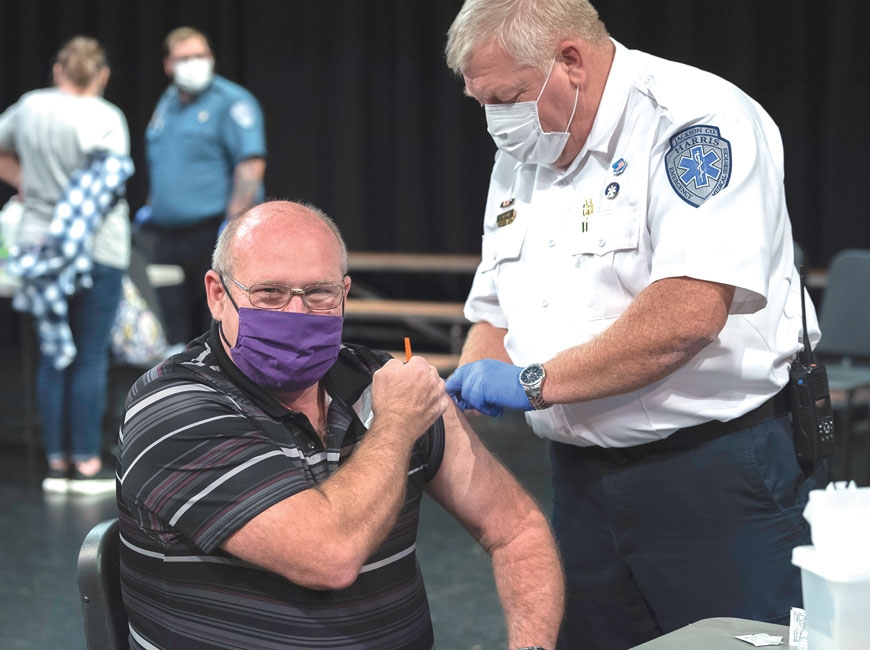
x: 571, y: 56
x: 216, y: 295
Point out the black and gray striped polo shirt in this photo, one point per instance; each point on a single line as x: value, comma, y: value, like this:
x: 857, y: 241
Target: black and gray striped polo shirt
x: 202, y: 451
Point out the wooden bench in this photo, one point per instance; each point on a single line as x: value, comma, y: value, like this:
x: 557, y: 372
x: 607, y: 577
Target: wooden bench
x: 427, y: 319
x: 412, y: 262
x: 389, y: 309
x: 413, y: 313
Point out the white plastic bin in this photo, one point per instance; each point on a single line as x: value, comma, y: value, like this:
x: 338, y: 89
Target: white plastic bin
x: 839, y: 519
x: 836, y: 591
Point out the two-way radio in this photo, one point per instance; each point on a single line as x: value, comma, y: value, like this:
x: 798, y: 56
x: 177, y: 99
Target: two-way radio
x: 812, y: 418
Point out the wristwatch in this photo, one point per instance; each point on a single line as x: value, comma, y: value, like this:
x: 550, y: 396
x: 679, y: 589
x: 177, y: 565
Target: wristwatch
x: 532, y: 380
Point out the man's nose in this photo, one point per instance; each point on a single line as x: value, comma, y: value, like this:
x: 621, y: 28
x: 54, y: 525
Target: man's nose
x: 296, y: 303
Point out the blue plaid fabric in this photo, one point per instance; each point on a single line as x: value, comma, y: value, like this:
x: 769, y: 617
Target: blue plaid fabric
x: 61, y: 264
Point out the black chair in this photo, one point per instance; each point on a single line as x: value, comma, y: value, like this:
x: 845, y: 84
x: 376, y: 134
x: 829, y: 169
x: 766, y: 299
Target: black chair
x: 844, y: 318
x: 99, y: 577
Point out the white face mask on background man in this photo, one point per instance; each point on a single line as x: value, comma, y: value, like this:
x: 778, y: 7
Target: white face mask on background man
x: 516, y: 130
x: 193, y: 75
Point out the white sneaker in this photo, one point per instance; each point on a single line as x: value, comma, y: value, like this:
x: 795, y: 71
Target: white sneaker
x: 56, y: 481
x: 103, y: 482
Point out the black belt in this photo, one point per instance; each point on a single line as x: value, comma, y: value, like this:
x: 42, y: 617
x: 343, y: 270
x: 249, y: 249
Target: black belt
x: 776, y: 407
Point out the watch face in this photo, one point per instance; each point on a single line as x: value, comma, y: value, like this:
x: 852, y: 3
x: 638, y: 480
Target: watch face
x: 532, y: 374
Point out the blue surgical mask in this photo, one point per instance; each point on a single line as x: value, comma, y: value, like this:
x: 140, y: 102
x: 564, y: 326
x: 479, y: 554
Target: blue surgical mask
x: 516, y: 130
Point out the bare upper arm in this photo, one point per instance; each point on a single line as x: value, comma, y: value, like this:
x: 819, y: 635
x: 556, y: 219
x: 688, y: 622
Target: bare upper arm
x: 474, y: 487
x: 251, y: 168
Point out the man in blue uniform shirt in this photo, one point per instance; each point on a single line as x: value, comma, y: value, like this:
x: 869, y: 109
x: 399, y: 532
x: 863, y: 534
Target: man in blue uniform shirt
x: 206, y: 150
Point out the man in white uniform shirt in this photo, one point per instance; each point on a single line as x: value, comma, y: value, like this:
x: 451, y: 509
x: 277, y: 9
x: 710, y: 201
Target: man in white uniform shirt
x: 637, y: 296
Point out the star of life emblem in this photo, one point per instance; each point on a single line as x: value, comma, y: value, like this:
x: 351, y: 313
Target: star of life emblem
x: 698, y: 163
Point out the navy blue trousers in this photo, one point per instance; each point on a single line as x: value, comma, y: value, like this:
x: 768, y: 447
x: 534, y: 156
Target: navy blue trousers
x: 679, y: 536
x: 185, y: 308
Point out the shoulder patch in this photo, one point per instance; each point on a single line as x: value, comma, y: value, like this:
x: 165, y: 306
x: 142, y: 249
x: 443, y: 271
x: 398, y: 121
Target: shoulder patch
x: 698, y: 163
x: 243, y: 114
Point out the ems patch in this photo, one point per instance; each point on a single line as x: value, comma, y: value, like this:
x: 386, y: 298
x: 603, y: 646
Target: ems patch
x: 243, y: 113
x: 698, y: 163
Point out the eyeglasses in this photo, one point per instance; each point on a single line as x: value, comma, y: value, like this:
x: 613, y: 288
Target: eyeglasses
x: 316, y: 297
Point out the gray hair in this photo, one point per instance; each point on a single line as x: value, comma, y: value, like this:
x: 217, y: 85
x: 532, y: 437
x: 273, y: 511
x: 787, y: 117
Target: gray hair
x: 223, y: 261
x: 529, y: 31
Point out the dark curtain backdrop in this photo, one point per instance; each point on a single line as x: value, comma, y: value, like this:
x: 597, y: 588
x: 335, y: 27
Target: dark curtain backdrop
x: 364, y: 119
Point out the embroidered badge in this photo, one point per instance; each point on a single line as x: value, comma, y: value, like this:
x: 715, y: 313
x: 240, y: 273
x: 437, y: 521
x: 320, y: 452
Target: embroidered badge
x: 698, y: 163
x: 619, y: 166
x: 505, y: 218
x: 243, y: 114
x: 611, y: 191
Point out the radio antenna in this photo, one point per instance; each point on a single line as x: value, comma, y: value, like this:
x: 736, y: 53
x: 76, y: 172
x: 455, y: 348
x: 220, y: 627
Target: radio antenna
x: 806, y: 355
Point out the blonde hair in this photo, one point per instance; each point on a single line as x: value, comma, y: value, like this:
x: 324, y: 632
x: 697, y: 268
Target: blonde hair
x: 529, y: 31
x: 81, y: 59
x: 180, y: 34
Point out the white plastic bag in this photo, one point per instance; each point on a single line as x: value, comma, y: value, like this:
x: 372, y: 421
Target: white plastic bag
x: 138, y: 338
x: 10, y: 221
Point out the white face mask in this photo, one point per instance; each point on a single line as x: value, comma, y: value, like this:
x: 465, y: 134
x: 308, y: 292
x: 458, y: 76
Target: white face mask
x: 516, y: 130
x: 193, y: 75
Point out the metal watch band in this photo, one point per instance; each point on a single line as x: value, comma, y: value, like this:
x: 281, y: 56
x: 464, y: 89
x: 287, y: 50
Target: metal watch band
x: 532, y: 380
x: 539, y: 403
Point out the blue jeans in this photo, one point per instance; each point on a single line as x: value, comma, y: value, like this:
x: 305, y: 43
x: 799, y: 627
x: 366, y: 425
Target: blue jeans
x: 72, y: 401
x: 680, y: 536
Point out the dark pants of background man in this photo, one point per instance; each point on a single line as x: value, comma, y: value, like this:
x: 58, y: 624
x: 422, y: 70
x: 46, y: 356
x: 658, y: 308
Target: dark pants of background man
x: 184, y: 307
x: 679, y: 536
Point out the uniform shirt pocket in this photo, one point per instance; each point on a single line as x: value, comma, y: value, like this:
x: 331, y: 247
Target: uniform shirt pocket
x: 504, y: 245
x: 607, y: 257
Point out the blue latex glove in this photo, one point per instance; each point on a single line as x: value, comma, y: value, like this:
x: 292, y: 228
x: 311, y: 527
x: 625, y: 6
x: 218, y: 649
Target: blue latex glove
x: 143, y: 215
x: 488, y: 386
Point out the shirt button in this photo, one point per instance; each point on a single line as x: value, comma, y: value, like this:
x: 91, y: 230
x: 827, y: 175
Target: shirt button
x: 601, y: 243
x: 551, y: 243
x: 494, y: 255
x: 311, y: 444
x: 563, y: 182
x: 545, y: 302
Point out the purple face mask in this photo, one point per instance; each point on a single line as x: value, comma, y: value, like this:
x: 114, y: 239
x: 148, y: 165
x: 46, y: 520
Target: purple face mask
x: 286, y: 351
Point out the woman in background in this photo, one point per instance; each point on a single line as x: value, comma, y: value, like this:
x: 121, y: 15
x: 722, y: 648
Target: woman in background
x: 57, y: 134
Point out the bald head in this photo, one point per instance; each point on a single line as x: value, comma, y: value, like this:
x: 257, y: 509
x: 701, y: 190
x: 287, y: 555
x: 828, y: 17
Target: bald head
x: 278, y: 228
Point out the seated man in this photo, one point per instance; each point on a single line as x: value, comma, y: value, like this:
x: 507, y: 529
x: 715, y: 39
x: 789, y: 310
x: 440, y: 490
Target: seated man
x: 271, y: 477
